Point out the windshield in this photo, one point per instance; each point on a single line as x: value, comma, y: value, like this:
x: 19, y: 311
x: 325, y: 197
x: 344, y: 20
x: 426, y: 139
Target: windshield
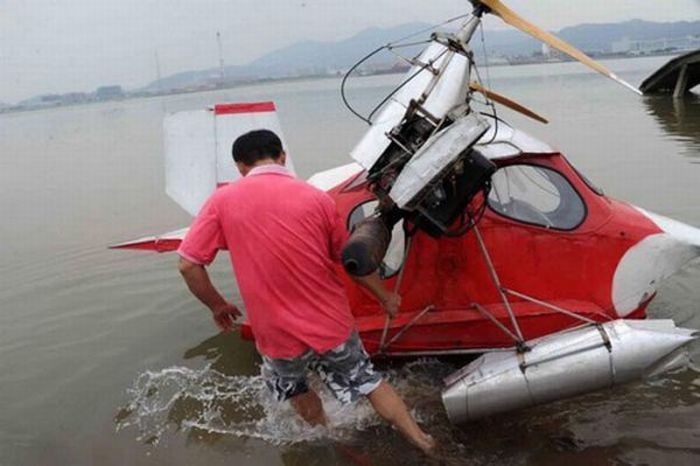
x: 536, y: 195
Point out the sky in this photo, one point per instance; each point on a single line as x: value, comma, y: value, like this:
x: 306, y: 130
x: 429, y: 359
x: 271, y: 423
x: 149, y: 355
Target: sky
x: 57, y: 46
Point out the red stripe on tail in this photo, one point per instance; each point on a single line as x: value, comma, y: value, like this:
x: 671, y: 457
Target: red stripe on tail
x: 254, y: 107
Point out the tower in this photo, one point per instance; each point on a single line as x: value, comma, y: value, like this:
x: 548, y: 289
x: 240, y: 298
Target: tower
x: 221, y: 58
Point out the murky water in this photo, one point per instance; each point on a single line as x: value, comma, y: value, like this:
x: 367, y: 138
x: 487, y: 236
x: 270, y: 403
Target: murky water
x: 105, y: 358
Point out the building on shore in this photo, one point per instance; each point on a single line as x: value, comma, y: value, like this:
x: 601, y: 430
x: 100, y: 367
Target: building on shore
x: 646, y: 47
x: 109, y: 92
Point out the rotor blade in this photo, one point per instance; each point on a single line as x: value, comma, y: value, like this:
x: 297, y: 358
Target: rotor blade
x: 512, y: 18
x: 503, y: 100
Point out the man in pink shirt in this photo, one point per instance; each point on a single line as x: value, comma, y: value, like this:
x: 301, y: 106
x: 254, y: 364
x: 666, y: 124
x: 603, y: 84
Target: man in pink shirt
x: 284, y: 237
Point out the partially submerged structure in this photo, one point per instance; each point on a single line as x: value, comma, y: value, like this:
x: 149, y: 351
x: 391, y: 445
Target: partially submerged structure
x: 678, y: 76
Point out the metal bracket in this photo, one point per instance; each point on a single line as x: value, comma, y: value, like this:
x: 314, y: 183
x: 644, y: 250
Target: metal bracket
x: 405, y: 328
x: 497, y: 282
x: 605, y: 337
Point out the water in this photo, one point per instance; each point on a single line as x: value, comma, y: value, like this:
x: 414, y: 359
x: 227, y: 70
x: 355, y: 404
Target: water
x: 107, y: 359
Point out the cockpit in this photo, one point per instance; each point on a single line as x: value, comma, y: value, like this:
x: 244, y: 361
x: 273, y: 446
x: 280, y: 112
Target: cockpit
x: 536, y: 195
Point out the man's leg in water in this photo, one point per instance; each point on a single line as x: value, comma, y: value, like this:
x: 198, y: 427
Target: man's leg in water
x: 389, y: 405
x: 308, y: 405
x: 286, y: 380
x: 349, y: 373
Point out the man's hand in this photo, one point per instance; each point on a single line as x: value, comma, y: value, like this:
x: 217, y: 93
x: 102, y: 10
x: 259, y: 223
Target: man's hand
x: 225, y: 316
x: 391, y: 302
x: 200, y: 285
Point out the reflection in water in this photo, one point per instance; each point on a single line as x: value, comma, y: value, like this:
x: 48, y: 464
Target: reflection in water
x: 679, y: 118
x: 227, y: 354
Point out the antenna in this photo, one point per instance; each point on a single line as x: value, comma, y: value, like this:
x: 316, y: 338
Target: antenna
x: 221, y: 57
x: 158, y: 76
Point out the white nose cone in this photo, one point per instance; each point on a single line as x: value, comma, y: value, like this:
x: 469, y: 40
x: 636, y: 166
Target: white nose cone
x: 645, y: 265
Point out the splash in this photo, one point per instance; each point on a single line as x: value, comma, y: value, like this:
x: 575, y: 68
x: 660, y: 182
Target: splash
x: 183, y: 399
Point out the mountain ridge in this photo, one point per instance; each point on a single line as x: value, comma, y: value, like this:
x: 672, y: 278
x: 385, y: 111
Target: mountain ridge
x: 321, y: 57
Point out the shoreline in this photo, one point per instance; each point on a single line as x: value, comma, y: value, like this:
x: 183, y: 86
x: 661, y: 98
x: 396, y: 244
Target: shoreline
x: 185, y: 91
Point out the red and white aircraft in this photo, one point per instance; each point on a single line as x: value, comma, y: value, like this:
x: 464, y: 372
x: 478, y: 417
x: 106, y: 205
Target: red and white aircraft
x: 493, y: 239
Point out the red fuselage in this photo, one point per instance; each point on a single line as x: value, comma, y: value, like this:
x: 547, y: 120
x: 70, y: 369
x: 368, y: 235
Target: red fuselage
x: 570, y: 268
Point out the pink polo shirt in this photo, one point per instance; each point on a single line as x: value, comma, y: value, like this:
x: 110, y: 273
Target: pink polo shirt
x: 283, y: 236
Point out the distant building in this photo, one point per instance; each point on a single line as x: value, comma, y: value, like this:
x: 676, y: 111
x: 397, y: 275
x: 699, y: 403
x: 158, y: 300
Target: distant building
x: 109, y: 92
x: 546, y: 51
x: 644, y: 47
x: 75, y: 98
x: 623, y: 45
x: 41, y: 101
x: 50, y: 98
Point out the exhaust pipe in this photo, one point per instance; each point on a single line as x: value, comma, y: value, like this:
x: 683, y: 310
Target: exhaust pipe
x: 565, y: 364
x: 366, y: 247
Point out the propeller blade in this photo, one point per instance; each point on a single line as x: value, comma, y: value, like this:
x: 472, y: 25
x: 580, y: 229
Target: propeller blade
x: 503, y: 100
x: 512, y: 18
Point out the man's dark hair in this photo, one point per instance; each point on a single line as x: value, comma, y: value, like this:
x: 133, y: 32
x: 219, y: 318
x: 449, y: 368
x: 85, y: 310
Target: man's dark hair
x: 256, y: 145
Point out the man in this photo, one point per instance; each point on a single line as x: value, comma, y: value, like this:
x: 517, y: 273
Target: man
x: 284, y: 237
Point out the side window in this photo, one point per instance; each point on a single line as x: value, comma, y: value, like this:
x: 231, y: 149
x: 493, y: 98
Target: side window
x: 537, y: 195
x: 394, y: 257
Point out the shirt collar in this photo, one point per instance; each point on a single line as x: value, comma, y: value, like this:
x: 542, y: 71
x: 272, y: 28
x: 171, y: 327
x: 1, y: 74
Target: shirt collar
x: 270, y: 168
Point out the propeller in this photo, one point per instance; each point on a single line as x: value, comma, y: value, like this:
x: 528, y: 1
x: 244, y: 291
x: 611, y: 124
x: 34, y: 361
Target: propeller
x: 503, y: 100
x: 510, y: 17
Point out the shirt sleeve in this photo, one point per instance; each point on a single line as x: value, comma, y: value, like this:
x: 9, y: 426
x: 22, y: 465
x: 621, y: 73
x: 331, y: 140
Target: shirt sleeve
x: 337, y: 233
x: 205, y: 237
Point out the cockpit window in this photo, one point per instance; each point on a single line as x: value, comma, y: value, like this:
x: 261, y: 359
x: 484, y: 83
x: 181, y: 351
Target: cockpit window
x: 395, y: 253
x: 536, y: 195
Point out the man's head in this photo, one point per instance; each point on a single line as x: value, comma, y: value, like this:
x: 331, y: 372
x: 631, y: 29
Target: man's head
x: 257, y: 147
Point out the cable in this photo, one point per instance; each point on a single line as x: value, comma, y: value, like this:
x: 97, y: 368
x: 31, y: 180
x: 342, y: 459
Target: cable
x: 497, y: 118
x: 391, y: 45
x: 489, y: 101
x: 345, y: 79
x: 400, y: 86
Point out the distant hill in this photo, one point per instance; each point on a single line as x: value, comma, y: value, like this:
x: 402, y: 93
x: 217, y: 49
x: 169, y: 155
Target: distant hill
x: 314, y: 57
x: 302, y: 58
x: 599, y: 37
x: 590, y: 37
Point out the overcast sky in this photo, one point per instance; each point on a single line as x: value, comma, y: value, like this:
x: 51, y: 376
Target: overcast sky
x: 77, y: 45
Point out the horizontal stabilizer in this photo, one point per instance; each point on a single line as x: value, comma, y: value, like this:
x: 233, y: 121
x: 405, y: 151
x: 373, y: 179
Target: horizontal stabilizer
x: 166, y: 242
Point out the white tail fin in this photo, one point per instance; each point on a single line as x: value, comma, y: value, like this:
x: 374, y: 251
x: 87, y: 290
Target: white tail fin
x: 198, y: 148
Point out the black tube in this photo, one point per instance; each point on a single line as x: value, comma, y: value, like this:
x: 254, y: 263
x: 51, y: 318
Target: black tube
x: 365, y: 250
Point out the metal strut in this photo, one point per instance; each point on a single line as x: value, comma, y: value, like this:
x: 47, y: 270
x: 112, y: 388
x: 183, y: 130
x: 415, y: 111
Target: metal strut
x: 497, y: 282
x: 403, y: 330
x: 484, y: 312
x: 397, y: 286
x: 550, y: 306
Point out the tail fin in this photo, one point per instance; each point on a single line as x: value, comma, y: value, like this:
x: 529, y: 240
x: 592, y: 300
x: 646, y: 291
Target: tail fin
x: 198, y: 148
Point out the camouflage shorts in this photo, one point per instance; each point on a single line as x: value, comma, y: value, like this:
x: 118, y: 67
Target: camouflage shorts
x: 346, y: 370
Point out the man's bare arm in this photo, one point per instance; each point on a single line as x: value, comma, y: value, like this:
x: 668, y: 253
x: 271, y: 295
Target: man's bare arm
x: 390, y: 300
x: 200, y: 285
